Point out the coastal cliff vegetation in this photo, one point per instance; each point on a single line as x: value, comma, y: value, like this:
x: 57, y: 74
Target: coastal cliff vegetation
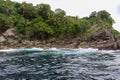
x: 40, y: 22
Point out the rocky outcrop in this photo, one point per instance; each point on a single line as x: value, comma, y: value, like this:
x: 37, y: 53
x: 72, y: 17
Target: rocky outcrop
x: 9, y: 37
x: 101, y: 40
x: 102, y: 35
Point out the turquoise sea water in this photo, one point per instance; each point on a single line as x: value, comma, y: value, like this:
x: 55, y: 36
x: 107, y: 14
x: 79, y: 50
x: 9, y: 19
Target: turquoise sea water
x: 59, y: 64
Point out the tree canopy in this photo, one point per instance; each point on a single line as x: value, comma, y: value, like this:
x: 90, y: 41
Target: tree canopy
x: 40, y: 22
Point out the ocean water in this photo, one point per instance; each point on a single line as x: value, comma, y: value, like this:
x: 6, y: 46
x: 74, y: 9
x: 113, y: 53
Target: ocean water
x: 59, y: 64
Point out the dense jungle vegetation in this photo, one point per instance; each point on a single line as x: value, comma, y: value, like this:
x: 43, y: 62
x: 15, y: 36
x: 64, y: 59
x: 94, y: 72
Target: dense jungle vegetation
x: 40, y: 22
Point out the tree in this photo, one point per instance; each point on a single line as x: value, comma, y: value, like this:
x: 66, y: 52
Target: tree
x: 60, y: 12
x: 7, y: 7
x: 106, y: 17
x: 44, y: 10
x: 93, y: 14
x: 27, y: 10
x: 19, y: 24
x: 39, y: 29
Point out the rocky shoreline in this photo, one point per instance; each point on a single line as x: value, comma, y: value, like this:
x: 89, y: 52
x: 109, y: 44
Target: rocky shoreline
x: 102, y: 45
x: 103, y: 40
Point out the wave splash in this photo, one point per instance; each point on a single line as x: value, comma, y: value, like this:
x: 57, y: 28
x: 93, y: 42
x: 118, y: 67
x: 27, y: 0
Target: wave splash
x: 62, y: 50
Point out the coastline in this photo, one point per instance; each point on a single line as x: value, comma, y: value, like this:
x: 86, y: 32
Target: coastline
x: 73, y: 44
x: 103, y: 40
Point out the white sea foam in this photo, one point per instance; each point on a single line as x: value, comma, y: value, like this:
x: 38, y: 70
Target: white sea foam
x: 108, y: 51
x: 86, y: 50
x: 53, y: 48
x: 34, y: 48
x: 7, y: 50
x: 21, y: 49
x: 80, y: 50
x: 89, y: 49
x: 63, y: 51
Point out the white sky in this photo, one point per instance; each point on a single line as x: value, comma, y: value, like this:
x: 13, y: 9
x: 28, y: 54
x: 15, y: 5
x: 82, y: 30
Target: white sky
x: 83, y: 8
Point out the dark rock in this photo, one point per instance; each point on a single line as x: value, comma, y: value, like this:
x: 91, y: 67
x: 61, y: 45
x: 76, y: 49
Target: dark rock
x: 102, y: 35
x: 53, y: 40
x: 104, y: 39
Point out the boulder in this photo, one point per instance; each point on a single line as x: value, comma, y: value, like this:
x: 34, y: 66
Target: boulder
x: 11, y: 35
x: 2, y: 39
x: 102, y: 35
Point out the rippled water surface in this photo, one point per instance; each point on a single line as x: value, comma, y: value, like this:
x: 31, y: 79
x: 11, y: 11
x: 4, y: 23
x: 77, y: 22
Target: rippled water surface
x: 60, y: 64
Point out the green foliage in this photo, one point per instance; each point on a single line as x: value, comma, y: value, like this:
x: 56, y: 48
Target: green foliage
x: 5, y: 22
x: 28, y: 11
x: 40, y: 22
x: 116, y: 33
x: 101, y: 19
x: 19, y: 24
x: 44, y: 10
